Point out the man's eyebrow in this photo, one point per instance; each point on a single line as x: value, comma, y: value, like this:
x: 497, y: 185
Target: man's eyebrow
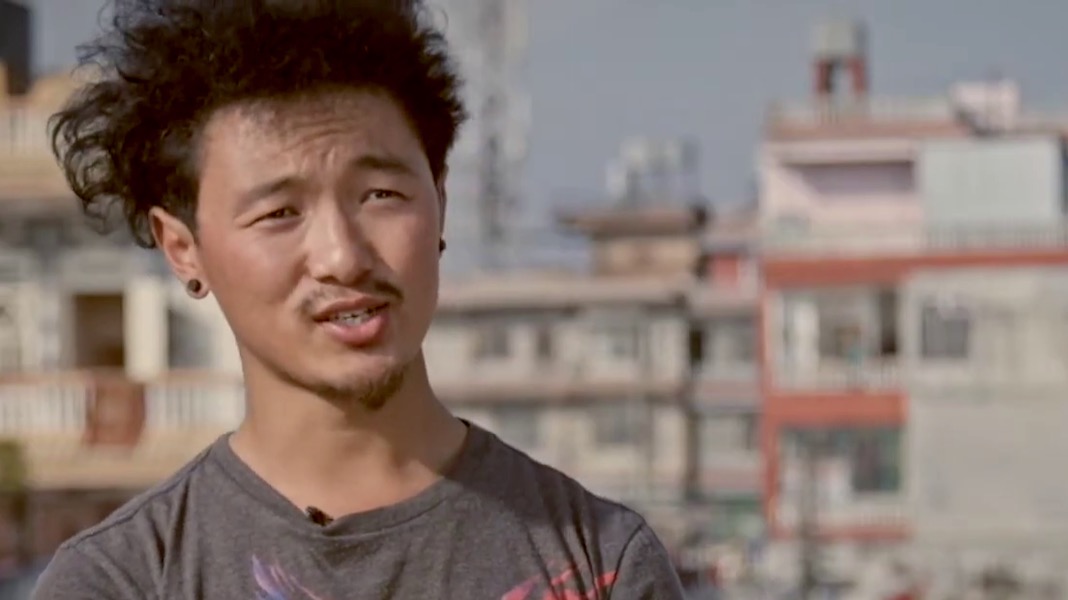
x: 382, y: 162
x: 268, y: 188
x: 366, y: 162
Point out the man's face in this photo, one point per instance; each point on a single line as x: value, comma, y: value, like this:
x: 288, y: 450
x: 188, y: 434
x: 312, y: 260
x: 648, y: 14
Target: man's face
x: 318, y: 226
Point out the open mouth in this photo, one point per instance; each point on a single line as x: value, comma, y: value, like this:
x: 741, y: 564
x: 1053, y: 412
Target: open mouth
x: 356, y: 317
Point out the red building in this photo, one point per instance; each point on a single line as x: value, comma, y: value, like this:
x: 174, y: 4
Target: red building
x: 858, y: 193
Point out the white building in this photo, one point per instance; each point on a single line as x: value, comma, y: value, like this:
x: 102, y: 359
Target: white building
x: 987, y: 372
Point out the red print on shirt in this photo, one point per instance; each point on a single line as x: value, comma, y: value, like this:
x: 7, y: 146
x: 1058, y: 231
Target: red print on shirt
x: 558, y: 588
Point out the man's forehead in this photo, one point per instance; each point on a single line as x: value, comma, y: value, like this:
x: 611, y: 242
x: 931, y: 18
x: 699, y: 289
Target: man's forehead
x: 278, y: 116
x: 369, y: 123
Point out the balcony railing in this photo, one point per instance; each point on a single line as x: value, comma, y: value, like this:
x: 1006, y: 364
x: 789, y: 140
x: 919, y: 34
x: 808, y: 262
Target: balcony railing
x: 43, y: 407
x: 874, y: 375
x: 60, y: 404
x: 24, y: 131
x: 918, y: 240
x: 10, y: 358
x: 736, y: 373
x: 27, y: 167
x: 180, y: 402
x: 867, y: 109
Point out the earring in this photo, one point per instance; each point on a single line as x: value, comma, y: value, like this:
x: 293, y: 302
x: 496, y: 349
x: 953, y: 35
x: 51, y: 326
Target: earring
x: 193, y: 287
x: 441, y: 245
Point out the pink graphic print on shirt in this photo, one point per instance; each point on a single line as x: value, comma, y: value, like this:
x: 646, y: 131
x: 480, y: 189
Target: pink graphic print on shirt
x: 275, y: 583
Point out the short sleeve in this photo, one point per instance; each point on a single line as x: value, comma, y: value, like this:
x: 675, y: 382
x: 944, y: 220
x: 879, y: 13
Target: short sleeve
x: 645, y: 570
x: 74, y: 575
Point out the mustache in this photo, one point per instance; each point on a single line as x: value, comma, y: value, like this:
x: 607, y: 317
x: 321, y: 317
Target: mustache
x: 378, y: 288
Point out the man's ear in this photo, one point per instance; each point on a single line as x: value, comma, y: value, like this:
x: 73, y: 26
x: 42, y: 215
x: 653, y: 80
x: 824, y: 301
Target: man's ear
x: 178, y: 244
x: 443, y: 199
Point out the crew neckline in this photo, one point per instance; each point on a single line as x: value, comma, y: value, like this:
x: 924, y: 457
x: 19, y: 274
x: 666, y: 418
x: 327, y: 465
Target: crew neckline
x: 459, y: 476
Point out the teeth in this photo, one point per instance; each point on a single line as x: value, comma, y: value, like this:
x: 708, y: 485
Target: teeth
x: 354, y: 318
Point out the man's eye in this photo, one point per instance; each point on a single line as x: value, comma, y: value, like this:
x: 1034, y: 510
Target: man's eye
x: 384, y: 195
x: 281, y: 213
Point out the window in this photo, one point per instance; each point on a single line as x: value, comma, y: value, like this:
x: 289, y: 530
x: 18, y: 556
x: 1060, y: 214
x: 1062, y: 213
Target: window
x: 727, y: 434
x: 732, y: 341
x: 615, y: 425
x: 872, y: 455
x: 492, y: 342
x: 846, y: 325
x: 696, y: 339
x: 886, y: 304
x: 621, y: 341
x: 945, y: 332
x: 543, y: 342
x: 519, y: 425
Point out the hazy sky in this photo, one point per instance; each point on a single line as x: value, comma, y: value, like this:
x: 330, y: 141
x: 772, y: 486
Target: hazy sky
x: 603, y: 70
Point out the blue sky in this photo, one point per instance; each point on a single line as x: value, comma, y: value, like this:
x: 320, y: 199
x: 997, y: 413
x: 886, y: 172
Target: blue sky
x: 603, y: 70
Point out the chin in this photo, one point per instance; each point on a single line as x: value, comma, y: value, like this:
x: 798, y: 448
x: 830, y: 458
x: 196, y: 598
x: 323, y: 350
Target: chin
x: 370, y: 388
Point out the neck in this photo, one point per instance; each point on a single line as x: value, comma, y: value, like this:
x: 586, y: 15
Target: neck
x: 345, y: 458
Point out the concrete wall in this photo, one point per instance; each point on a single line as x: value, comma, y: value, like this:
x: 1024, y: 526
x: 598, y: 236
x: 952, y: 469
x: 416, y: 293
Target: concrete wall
x: 1018, y: 326
x: 992, y: 181
x: 986, y: 464
x: 986, y: 439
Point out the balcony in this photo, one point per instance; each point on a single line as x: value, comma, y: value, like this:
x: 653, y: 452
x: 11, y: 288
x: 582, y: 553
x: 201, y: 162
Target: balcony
x: 192, y: 401
x: 713, y: 300
x: 34, y: 407
x: 727, y: 388
x: 28, y: 170
x: 874, y: 516
x: 727, y: 373
x: 874, y: 375
x: 731, y: 473
x: 88, y: 430
x: 919, y: 241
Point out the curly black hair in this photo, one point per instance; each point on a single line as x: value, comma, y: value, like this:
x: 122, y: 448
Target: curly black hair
x: 128, y: 139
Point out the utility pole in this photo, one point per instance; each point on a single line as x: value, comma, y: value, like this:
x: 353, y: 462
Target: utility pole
x: 490, y: 41
x: 501, y: 55
x: 808, y: 526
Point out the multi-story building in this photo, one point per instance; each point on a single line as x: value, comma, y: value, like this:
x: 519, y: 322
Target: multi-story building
x: 861, y: 200
x: 99, y: 349
x: 586, y: 371
x: 726, y: 383
x: 986, y: 353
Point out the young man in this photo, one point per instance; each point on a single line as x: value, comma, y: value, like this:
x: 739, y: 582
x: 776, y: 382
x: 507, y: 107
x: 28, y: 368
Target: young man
x: 288, y: 157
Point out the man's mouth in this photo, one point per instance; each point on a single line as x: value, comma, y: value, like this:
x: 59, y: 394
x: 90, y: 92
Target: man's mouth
x: 356, y: 317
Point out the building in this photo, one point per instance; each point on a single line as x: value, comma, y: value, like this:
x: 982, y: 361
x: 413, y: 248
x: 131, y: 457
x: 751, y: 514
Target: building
x: 587, y: 372
x: 726, y: 395
x: 986, y: 358
x: 864, y: 202
x: 110, y: 377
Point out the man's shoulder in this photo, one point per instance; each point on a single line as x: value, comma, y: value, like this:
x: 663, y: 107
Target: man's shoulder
x: 548, y: 508
x: 120, y: 556
x: 150, y: 511
x: 527, y: 483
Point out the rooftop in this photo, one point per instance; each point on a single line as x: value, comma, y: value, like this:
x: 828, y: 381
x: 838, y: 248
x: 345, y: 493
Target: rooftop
x: 967, y: 108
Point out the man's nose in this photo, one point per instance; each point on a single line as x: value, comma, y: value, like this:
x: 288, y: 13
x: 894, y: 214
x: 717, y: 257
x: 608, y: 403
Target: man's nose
x: 337, y: 249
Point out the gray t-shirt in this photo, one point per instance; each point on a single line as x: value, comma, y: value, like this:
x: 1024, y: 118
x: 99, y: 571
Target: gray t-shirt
x: 500, y: 526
